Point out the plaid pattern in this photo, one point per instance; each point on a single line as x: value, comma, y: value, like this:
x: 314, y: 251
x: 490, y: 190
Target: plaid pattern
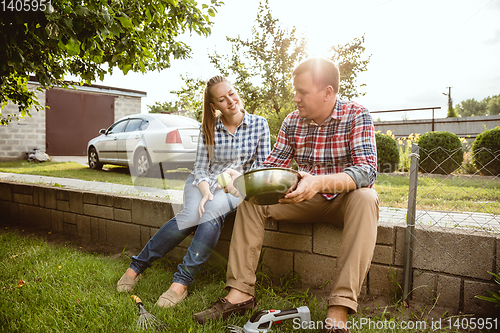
x: 245, y: 150
x: 344, y: 140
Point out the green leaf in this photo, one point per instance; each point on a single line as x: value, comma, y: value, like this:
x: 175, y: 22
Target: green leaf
x: 125, y: 21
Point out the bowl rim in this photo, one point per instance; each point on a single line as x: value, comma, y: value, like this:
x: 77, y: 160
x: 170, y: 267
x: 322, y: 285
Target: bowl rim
x: 267, y: 169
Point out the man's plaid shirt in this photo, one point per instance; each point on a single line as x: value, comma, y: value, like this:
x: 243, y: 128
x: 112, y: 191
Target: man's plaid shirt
x: 245, y: 150
x: 345, y: 142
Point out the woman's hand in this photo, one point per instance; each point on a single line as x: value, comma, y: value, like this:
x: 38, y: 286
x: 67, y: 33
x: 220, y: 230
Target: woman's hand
x: 206, y: 196
x: 230, y: 187
x: 201, y: 207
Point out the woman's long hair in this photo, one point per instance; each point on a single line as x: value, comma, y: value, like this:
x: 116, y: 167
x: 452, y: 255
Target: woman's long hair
x: 210, y: 114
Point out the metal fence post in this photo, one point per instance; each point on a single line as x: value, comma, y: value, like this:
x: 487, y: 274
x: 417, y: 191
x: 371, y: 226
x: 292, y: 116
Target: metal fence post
x: 410, y: 221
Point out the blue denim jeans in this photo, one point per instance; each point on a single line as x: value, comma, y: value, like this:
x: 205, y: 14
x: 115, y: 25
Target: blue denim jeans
x: 206, y: 229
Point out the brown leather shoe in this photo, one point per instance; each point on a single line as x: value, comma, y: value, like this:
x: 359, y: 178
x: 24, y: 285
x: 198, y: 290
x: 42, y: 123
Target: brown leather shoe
x: 223, y: 308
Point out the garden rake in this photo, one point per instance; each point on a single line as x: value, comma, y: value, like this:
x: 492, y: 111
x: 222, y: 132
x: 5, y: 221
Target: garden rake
x: 147, y: 322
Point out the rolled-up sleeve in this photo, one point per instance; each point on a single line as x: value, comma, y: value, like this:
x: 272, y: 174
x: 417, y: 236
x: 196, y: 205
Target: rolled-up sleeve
x: 364, y: 150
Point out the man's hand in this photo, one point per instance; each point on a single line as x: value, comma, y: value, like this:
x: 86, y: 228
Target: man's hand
x: 230, y: 188
x: 306, y: 189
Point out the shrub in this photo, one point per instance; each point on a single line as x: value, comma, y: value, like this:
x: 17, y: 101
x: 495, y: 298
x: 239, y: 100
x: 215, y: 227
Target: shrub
x: 486, y: 152
x: 387, y: 153
x: 440, y: 152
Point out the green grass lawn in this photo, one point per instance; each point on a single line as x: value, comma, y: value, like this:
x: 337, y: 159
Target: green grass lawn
x: 455, y: 193
x: 47, y: 287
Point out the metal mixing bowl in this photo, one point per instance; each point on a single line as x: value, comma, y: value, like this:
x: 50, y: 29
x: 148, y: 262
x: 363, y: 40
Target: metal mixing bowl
x: 266, y: 186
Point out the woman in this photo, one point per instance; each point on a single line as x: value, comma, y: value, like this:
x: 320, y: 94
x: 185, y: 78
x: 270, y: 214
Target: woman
x: 229, y: 138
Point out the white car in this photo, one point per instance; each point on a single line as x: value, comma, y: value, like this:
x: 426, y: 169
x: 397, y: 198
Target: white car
x: 142, y: 141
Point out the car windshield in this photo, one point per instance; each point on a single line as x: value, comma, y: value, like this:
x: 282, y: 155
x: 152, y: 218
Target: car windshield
x: 178, y: 122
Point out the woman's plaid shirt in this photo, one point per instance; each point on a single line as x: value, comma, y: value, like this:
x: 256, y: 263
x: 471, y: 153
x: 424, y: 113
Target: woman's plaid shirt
x: 245, y: 150
x: 345, y: 140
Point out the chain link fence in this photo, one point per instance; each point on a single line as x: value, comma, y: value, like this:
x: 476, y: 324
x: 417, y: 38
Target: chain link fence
x: 452, y: 231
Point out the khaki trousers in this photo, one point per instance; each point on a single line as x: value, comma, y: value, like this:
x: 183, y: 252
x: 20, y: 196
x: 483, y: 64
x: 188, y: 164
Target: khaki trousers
x: 356, y: 211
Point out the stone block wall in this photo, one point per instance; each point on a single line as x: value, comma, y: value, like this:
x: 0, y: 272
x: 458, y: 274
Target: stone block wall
x: 441, y: 279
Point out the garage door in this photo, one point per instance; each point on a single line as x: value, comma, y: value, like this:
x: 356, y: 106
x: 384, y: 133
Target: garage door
x: 73, y: 119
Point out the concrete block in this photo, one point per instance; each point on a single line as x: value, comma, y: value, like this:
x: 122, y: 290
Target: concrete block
x: 123, y: 234
x: 176, y: 207
x: 385, y: 281
x: 22, y: 198
x: 287, y: 241
x: 76, y: 202
x: 383, y: 254
x: 296, y: 228
x: 326, y: 239
x: 454, y: 251
x: 90, y: 198
x: 57, y: 220
x: 6, y: 191
x: 220, y: 253
x: 22, y: 188
x: 10, y: 211
x: 70, y: 228
x: 124, y: 215
x: 47, y: 198
x: 62, y: 194
x: 145, y: 235
x: 276, y: 263
x: 83, y: 228
x: 102, y: 230
x: 94, y: 229
x: 476, y: 306
x: 69, y: 218
x: 314, y: 269
x: 400, y: 245
x: 271, y: 225
x: 448, y: 291
x: 63, y: 205
x: 122, y: 202
x: 35, y: 216
x: 152, y: 213
x: 98, y: 211
x: 424, y: 287
x: 386, y: 234
x: 105, y: 200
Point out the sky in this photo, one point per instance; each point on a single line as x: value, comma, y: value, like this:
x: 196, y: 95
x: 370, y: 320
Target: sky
x: 417, y: 48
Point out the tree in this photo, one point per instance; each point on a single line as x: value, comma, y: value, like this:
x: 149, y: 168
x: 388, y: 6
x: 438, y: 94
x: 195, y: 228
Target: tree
x: 165, y: 107
x: 471, y: 107
x: 349, y: 59
x: 89, y: 39
x: 261, y: 67
x: 191, y: 96
x: 451, y: 112
x: 493, y: 107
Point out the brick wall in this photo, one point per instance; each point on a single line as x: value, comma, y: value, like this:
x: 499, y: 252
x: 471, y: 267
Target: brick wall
x: 23, y: 135
x: 308, y: 249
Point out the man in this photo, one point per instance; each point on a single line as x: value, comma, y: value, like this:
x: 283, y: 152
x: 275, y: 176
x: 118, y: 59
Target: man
x: 333, y: 143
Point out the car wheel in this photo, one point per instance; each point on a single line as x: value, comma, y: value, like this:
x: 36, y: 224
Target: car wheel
x: 142, y: 163
x: 94, y: 159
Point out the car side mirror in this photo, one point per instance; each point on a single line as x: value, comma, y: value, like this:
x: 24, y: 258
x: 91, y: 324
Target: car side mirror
x: 102, y: 131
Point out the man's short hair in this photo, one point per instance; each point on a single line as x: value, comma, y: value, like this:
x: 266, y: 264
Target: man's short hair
x: 324, y: 72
